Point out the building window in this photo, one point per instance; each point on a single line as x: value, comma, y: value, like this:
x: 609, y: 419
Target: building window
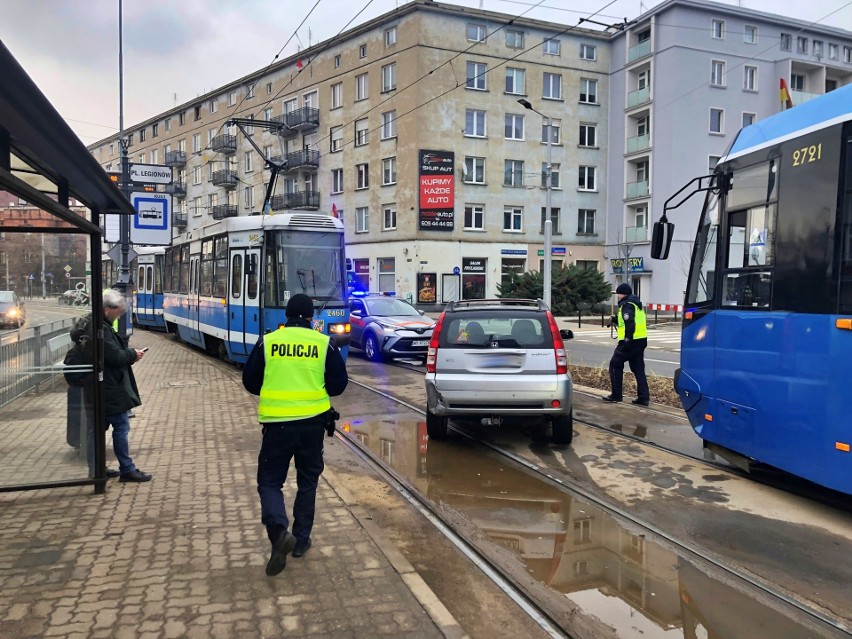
x: 155, y: 130
x: 717, y: 120
x: 847, y: 54
x: 474, y: 217
x: 476, y: 32
x: 154, y: 157
x: 817, y: 48
x: 587, y: 265
x: 750, y: 34
x: 362, y: 219
x: 290, y: 105
x: 797, y: 82
x: 267, y: 114
x: 388, y: 171
x: 588, y: 91
x: 513, y: 173
x: 181, y: 118
x: 361, y: 87
x: 750, y: 78
x: 337, y: 180
x: 390, y: 37
x: 196, y: 206
x: 555, y: 132
x: 717, y: 73
x: 718, y: 29
x: 337, y: 95
x: 167, y: 124
x: 515, y: 81
x: 232, y: 98
x: 267, y: 152
x: 554, y: 219
x: 786, y: 41
x: 362, y: 51
x: 388, y: 217
x: 801, y: 44
x: 336, y: 139
x: 112, y: 147
x: 588, y: 52
x: 247, y: 161
x: 513, y: 219
x: 712, y: 161
x: 337, y: 61
x: 514, y: 127
x: 389, y: 77
x: 476, y: 75
x: 214, y: 106
x: 552, y: 46
x: 514, y: 39
x: 268, y: 88
x: 554, y: 175
x: 748, y: 119
x: 141, y: 135
x: 474, y: 123
x: 588, y: 135
x: 249, y: 92
x: 387, y: 273
x: 389, y: 125
x: 832, y: 51
x: 586, y: 178
x: 586, y: 222
x: 553, y: 86
x: 362, y: 176
x: 362, y: 132
x: 474, y: 170
x: 196, y: 143
x: 248, y: 198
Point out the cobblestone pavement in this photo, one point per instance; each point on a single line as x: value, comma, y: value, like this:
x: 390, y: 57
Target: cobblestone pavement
x: 184, y: 555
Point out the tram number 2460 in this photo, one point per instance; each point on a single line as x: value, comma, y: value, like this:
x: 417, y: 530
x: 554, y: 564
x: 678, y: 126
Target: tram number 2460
x: 807, y: 154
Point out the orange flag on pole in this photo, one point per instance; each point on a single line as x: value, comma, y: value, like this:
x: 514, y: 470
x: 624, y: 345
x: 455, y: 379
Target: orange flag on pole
x: 786, y: 100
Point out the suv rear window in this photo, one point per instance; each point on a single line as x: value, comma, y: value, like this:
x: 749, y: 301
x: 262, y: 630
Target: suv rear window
x: 510, y: 329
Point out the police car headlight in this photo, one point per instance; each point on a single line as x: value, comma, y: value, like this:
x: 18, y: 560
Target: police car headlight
x: 339, y: 329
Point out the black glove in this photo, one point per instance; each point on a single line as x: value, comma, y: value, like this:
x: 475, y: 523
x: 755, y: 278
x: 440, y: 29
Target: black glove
x: 331, y: 416
x: 613, y: 321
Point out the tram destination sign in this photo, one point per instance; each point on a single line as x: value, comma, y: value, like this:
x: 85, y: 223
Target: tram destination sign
x: 150, y: 174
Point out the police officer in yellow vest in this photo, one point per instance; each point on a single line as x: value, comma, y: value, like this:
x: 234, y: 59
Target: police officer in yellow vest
x: 632, y: 342
x: 295, y: 370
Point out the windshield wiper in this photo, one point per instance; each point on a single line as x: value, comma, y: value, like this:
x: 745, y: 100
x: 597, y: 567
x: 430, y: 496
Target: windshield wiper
x: 331, y: 295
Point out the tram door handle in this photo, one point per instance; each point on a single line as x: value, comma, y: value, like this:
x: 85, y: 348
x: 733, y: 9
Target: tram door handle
x: 734, y: 410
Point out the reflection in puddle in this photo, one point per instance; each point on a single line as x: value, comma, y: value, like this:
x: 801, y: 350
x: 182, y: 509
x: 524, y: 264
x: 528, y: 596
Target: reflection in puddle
x: 631, y: 584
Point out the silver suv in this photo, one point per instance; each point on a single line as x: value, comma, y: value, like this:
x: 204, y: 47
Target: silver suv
x: 386, y: 327
x: 497, y: 358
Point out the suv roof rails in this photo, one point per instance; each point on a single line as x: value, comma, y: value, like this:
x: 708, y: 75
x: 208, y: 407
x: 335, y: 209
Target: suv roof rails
x: 463, y: 304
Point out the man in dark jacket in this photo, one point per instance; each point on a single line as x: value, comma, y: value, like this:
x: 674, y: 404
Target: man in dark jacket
x: 294, y: 370
x: 632, y: 342
x: 120, y: 391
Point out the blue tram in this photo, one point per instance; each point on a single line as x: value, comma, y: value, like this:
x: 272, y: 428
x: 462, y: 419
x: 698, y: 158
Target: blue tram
x: 148, y: 287
x: 767, y: 327
x: 229, y: 282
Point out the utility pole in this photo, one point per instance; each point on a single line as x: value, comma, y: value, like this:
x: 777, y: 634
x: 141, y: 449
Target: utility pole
x: 43, y: 287
x: 123, y: 283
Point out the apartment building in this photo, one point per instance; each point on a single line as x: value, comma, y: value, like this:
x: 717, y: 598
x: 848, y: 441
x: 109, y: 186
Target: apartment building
x: 686, y: 77
x: 364, y: 114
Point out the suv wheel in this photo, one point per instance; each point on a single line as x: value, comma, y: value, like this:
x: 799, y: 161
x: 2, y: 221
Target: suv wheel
x: 371, y: 348
x: 563, y: 428
x: 436, y: 426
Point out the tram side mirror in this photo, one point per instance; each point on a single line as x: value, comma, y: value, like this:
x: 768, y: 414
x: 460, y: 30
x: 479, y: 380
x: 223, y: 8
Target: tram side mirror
x: 251, y: 267
x: 661, y: 240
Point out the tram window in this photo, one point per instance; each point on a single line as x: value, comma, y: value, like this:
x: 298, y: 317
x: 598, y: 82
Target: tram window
x: 183, y: 282
x: 237, y: 277
x: 748, y: 288
x: 251, y: 288
x: 158, y: 276
x: 702, y: 278
x: 756, y: 184
x: 751, y: 237
x: 149, y: 279
x: 140, y: 280
x: 220, y: 267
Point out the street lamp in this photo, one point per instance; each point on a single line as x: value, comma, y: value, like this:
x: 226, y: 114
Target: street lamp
x: 548, y: 220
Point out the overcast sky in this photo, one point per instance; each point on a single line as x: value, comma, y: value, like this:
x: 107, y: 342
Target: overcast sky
x: 175, y: 50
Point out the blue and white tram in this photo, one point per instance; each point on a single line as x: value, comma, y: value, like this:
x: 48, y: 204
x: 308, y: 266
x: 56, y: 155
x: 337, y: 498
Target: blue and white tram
x: 148, y: 289
x: 767, y: 328
x: 229, y: 282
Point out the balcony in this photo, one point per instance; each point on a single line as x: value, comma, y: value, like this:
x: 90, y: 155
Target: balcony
x: 306, y: 200
x: 278, y: 202
x: 225, y: 144
x: 176, y: 159
x: 221, y: 211
x: 639, y: 51
x: 640, y: 96
x: 637, y: 189
x: 178, y: 189
x: 800, y: 97
x: 636, y: 234
x: 225, y: 178
x: 180, y: 220
x: 297, y: 120
x: 638, y: 143
x: 304, y: 159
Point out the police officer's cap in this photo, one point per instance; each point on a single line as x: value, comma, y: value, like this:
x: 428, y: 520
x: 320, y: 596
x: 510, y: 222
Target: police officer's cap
x: 300, y: 305
x: 623, y: 289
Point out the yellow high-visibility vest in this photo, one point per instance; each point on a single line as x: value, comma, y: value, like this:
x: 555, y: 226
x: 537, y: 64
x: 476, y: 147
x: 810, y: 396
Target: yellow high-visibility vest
x: 294, y: 375
x: 641, y: 323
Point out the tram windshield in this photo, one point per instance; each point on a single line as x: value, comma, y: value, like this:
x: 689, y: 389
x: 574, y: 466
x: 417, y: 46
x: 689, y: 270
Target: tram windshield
x: 304, y: 262
x: 704, y: 260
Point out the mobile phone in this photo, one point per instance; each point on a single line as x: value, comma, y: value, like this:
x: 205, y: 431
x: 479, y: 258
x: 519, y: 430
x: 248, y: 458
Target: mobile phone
x: 144, y: 350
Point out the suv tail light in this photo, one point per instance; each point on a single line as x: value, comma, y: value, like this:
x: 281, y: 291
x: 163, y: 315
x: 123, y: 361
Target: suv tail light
x: 432, y: 353
x: 558, y: 346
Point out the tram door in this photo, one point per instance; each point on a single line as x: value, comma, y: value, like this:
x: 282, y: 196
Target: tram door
x: 144, y: 292
x: 244, y: 300
x: 192, y: 300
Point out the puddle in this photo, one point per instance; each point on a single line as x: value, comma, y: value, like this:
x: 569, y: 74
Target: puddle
x: 633, y: 585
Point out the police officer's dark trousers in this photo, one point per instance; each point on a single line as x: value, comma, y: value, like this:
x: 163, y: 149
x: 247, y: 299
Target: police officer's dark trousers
x: 632, y: 352
x: 283, y: 441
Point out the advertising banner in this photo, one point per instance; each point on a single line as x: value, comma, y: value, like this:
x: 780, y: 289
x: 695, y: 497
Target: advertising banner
x: 437, y: 190
x: 426, y: 293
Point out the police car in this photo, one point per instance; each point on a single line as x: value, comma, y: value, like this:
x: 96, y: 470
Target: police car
x: 385, y: 327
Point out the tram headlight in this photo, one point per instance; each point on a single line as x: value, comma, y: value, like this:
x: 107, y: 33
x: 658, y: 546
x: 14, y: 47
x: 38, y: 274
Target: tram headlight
x: 339, y: 329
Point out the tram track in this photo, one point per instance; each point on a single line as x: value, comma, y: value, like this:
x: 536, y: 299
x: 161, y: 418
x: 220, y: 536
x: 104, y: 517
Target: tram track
x: 620, y: 514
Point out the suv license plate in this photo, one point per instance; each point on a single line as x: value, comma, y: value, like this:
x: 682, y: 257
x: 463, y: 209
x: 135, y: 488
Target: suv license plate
x: 420, y: 342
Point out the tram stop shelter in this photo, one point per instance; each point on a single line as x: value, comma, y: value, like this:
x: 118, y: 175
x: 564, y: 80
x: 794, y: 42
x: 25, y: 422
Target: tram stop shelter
x: 52, y: 196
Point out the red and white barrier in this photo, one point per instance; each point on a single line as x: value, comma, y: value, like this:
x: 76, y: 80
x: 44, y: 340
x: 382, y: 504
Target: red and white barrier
x: 676, y: 308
